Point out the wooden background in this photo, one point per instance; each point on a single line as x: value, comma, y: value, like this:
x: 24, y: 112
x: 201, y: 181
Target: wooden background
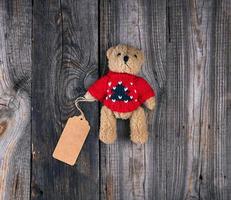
x: 51, y: 51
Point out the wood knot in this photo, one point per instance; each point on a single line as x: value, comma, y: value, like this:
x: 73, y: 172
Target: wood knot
x: 3, y: 126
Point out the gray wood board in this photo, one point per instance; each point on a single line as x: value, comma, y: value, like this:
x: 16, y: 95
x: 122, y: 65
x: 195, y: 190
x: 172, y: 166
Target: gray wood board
x: 136, y: 171
x: 15, y: 75
x: 65, y: 62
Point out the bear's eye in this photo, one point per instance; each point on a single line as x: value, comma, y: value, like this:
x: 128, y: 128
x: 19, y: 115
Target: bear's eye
x: 118, y: 54
x: 135, y: 56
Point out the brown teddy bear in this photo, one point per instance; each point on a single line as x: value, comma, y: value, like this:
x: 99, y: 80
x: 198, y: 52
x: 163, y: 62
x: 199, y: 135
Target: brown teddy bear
x: 122, y: 94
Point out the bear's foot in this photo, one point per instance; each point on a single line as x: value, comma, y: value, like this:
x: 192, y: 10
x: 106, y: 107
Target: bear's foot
x: 107, y: 137
x: 107, y: 126
x: 139, y: 138
x: 138, y: 126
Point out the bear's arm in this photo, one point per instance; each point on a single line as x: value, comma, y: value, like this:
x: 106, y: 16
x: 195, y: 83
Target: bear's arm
x: 89, y: 97
x: 97, y: 91
x: 150, y: 103
x: 146, y: 93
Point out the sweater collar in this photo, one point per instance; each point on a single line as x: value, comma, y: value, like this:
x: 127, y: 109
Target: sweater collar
x: 118, y: 74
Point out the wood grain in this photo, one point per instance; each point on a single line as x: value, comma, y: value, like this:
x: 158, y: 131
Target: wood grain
x: 182, y: 159
x: 200, y: 97
x: 187, y: 47
x: 216, y: 165
x: 196, y: 144
x: 15, y: 74
x: 154, y: 41
x: 65, y: 60
x: 177, y: 75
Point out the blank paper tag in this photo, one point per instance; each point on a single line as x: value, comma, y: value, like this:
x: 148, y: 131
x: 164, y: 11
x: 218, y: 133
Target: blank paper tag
x: 72, y: 140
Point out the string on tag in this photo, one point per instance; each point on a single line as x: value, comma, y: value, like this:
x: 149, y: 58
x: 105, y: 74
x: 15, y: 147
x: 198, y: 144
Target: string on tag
x: 81, y: 99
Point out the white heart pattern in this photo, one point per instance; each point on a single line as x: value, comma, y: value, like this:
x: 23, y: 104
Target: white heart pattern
x: 125, y: 89
x: 109, y: 83
x: 114, y: 88
x: 113, y: 100
x: 125, y: 101
x: 120, y: 97
x: 120, y: 82
x: 131, y: 83
x: 131, y: 97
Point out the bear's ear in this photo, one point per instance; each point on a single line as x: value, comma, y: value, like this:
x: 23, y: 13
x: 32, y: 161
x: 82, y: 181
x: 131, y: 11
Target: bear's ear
x: 109, y: 52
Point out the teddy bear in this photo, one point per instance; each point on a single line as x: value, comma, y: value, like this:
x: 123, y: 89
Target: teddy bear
x: 122, y: 93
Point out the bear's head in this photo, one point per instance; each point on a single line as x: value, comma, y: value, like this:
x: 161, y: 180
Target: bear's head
x: 125, y: 59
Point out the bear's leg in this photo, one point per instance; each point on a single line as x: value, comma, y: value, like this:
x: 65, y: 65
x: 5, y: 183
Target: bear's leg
x: 107, y: 133
x: 138, y: 126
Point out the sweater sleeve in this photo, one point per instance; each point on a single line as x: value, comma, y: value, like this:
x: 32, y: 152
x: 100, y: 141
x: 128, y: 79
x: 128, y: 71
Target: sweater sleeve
x: 144, y: 90
x: 98, y: 88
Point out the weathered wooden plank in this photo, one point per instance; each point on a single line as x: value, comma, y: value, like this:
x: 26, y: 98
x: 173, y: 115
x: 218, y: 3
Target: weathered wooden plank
x: 216, y: 163
x: 120, y: 24
x: 198, y: 29
x: 130, y: 172
x: 178, y: 162
x: 188, y: 73
x: 15, y: 68
x: 200, y: 99
x: 197, y: 87
x: 65, y: 60
x: 154, y: 40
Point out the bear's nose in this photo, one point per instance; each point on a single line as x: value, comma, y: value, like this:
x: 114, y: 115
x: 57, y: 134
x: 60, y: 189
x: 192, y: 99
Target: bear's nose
x: 126, y: 58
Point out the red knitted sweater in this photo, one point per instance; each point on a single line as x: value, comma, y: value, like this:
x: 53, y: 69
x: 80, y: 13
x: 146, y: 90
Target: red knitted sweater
x: 121, y: 92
